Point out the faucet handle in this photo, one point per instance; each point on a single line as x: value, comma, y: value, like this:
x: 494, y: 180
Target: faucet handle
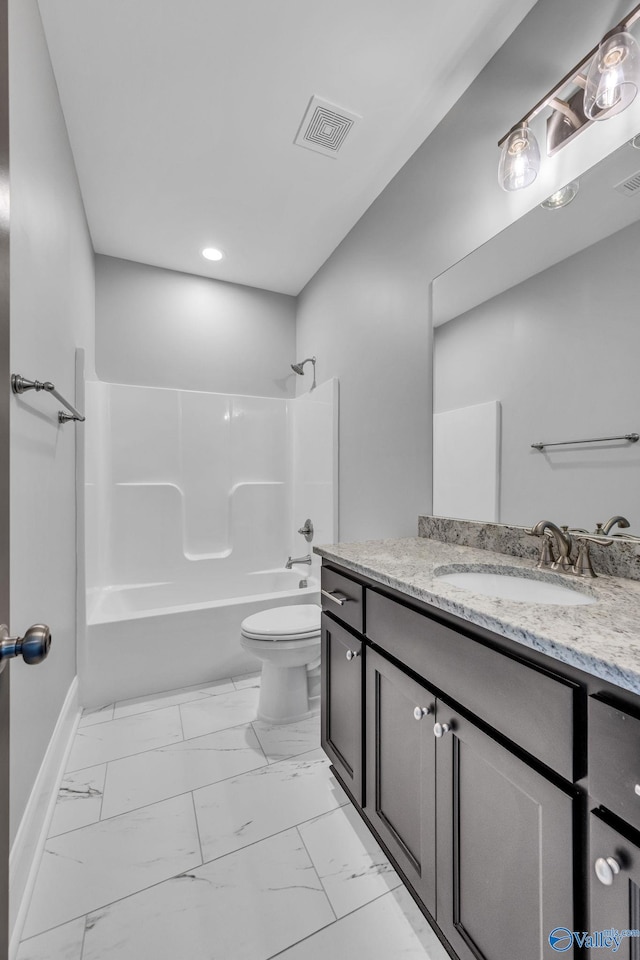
x: 546, y: 558
x: 583, y: 566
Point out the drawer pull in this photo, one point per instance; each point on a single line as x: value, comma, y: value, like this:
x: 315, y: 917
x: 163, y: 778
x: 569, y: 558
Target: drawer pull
x: 338, y: 598
x: 421, y: 712
x: 440, y: 729
x: 352, y: 654
x: 607, y: 870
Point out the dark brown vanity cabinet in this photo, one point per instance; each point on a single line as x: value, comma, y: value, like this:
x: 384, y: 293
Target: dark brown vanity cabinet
x: 504, y: 852
x: 505, y: 848
x: 341, y: 734
x: 400, y: 761
x: 614, y: 851
x: 503, y: 784
x: 614, y: 885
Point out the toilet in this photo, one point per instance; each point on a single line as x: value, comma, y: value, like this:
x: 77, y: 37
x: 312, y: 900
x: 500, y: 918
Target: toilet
x: 287, y: 641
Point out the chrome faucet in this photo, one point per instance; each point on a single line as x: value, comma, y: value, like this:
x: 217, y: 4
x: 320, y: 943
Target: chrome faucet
x: 290, y: 562
x: 563, y: 543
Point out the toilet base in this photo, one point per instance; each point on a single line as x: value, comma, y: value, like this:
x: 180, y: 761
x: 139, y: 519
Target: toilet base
x: 284, y: 696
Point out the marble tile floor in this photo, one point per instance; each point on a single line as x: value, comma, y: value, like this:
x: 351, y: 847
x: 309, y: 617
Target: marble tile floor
x: 185, y: 829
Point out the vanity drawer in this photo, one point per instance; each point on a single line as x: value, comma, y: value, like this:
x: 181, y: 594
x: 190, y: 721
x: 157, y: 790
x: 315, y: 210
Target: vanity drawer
x: 534, y: 709
x: 343, y: 598
x: 614, y: 759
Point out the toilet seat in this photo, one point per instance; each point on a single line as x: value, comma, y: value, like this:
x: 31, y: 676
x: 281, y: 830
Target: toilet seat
x: 297, y: 622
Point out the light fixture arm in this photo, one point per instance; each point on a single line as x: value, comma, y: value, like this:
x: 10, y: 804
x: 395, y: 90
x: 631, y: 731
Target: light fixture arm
x: 575, y: 75
x: 563, y: 107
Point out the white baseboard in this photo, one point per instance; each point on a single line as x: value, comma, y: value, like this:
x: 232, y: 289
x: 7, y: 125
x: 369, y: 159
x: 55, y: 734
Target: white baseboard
x: 28, y: 846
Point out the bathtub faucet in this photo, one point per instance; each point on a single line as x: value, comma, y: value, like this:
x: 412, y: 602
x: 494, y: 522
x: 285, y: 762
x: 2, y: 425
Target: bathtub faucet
x: 290, y: 562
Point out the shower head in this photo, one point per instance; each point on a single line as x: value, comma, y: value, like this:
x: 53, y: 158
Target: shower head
x: 299, y: 369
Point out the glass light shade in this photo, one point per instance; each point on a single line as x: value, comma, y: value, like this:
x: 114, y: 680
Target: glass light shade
x: 561, y: 197
x: 519, y: 160
x: 613, y: 77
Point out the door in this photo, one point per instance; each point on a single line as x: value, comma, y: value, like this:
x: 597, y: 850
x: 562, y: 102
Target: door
x: 5, y: 395
x: 400, y: 768
x: 505, y: 874
x: 342, y: 663
x: 614, y: 886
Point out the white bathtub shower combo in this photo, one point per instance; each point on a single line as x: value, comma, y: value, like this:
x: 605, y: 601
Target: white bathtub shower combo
x: 192, y: 505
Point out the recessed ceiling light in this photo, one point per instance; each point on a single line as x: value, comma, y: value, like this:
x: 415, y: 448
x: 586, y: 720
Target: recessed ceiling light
x: 561, y: 197
x: 211, y: 253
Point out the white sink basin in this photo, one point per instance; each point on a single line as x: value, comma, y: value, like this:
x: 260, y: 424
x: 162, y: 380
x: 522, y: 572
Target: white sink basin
x: 509, y: 586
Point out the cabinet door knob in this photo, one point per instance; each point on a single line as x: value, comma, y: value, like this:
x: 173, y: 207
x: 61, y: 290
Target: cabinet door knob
x: 636, y: 789
x: 352, y: 654
x: 421, y: 712
x: 606, y: 870
x: 440, y: 729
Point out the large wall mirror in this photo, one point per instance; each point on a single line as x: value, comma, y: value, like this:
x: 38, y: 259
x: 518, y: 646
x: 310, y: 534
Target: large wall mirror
x: 537, y: 340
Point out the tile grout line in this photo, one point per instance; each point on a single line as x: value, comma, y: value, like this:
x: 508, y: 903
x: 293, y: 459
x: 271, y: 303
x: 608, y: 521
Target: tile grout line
x: 179, y: 706
x: 84, y: 936
x: 135, y: 893
x: 262, y: 750
x: 236, y: 776
x: 177, y: 876
x: 193, y: 686
x: 195, y: 817
x: 315, y: 869
x: 310, y: 936
x: 205, y: 863
x: 162, y: 746
x: 104, y: 790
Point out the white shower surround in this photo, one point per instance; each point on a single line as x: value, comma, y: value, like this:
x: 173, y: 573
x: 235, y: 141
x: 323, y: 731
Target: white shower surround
x: 193, y: 501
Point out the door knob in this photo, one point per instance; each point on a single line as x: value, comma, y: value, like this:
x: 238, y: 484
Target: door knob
x: 33, y: 647
x: 606, y: 870
x: 352, y: 654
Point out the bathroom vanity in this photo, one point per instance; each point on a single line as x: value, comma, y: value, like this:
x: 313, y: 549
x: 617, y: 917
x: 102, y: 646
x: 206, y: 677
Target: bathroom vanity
x: 492, y: 747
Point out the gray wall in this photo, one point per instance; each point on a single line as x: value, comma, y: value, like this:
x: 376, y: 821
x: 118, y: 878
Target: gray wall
x: 161, y: 328
x: 366, y: 312
x: 560, y: 351
x: 52, y: 307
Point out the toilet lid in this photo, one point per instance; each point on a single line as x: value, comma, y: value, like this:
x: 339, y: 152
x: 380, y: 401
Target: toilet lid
x: 300, y: 620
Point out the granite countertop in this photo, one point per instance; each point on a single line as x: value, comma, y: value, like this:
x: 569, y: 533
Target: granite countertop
x: 602, y: 638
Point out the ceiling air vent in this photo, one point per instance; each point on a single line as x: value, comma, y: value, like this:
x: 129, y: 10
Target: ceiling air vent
x: 630, y: 186
x: 325, y: 127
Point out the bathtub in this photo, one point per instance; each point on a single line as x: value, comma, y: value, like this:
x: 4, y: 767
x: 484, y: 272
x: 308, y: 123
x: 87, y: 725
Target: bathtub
x: 146, y: 638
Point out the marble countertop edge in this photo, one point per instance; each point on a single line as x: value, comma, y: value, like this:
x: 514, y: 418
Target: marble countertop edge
x: 602, y: 639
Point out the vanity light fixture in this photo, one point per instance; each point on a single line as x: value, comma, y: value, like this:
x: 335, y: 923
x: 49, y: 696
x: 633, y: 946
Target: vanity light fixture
x: 212, y: 253
x: 603, y: 84
x: 561, y: 197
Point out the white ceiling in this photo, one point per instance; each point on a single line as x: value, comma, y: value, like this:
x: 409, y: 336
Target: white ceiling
x: 182, y: 116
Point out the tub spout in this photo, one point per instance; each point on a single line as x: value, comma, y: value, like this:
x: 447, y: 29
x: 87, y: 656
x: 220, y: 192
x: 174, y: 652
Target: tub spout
x: 290, y: 562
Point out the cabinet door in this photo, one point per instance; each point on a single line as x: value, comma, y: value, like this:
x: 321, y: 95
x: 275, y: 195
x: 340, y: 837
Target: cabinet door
x: 400, y: 752
x: 342, y: 681
x: 505, y: 876
x: 614, y: 886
